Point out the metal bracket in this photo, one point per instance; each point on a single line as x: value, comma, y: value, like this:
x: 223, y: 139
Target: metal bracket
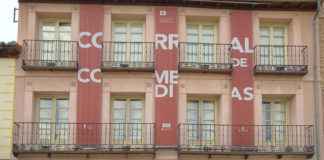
x: 16, y: 15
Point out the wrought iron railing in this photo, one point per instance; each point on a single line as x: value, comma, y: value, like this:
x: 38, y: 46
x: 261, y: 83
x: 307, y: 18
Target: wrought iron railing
x: 42, y: 136
x: 263, y: 138
x: 209, y: 57
x: 281, y: 59
x: 50, y: 54
x: 128, y: 56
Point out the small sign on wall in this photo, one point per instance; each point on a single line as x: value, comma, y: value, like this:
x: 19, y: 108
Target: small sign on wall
x: 163, y: 13
x: 165, y: 126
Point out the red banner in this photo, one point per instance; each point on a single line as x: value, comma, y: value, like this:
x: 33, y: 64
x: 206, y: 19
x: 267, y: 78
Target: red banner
x: 89, y: 81
x: 242, y: 77
x: 166, y: 75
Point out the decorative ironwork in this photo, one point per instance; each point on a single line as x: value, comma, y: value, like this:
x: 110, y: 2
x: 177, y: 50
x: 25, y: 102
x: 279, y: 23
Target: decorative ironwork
x: 281, y: 59
x: 217, y: 138
x: 67, y: 137
x: 205, y: 57
x: 128, y: 56
x: 50, y: 55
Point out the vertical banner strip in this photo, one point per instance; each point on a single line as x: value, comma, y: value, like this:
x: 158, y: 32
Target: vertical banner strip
x: 89, y: 94
x: 166, y: 74
x: 242, y: 78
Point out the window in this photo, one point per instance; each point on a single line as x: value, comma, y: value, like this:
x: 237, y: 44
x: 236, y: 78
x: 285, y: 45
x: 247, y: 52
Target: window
x: 127, y: 119
x: 274, y: 119
x: 273, y: 38
x: 201, y: 38
x: 53, y: 118
x: 54, y: 35
x: 200, y: 120
x: 128, y: 38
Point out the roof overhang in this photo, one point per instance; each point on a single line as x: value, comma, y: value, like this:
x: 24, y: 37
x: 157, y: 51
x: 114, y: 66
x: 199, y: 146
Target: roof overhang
x: 9, y: 50
x: 286, y: 5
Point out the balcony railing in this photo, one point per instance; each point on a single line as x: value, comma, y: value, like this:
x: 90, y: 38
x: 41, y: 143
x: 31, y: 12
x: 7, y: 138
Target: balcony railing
x: 50, y: 55
x: 83, y: 137
x: 137, y: 56
x: 205, y: 57
x: 216, y: 138
x: 281, y: 59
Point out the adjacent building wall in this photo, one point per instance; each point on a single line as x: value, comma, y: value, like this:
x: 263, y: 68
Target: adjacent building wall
x: 7, y: 92
x: 321, y: 52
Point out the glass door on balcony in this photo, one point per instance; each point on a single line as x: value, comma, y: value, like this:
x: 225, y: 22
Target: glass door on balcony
x: 273, y: 39
x: 53, y: 118
x: 201, y: 40
x: 54, y: 35
x: 127, y: 121
x: 128, y: 38
x: 200, y: 129
x: 274, y: 119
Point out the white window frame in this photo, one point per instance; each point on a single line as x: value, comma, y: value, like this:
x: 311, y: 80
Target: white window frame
x: 128, y: 41
x: 57, y: 21
x: 271, y: 27
x: 200, y: 129
x: 55, y: 54
x: 275, y: 130
x: 127, y: 129
x: 201, y: 46
x: 55, y: 127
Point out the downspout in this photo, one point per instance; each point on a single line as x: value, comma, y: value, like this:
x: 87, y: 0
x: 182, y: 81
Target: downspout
x: 317, y: 85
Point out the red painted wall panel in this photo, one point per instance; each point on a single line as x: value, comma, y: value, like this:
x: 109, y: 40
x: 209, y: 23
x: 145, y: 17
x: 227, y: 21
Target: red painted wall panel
x: 166, y: 60
x: 89, y: 95
x: 242, y: 78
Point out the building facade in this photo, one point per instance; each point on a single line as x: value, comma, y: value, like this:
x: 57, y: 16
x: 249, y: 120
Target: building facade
x: 165, y: 80
x: 319, y: 77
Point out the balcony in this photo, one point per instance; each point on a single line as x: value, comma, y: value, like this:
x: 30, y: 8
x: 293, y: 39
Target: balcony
x: 280, y: 59
x: 42, y: 137
x: 205, y: 57
x: 50, y: 55
x: 128, y: 56
x: 264, y: 139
